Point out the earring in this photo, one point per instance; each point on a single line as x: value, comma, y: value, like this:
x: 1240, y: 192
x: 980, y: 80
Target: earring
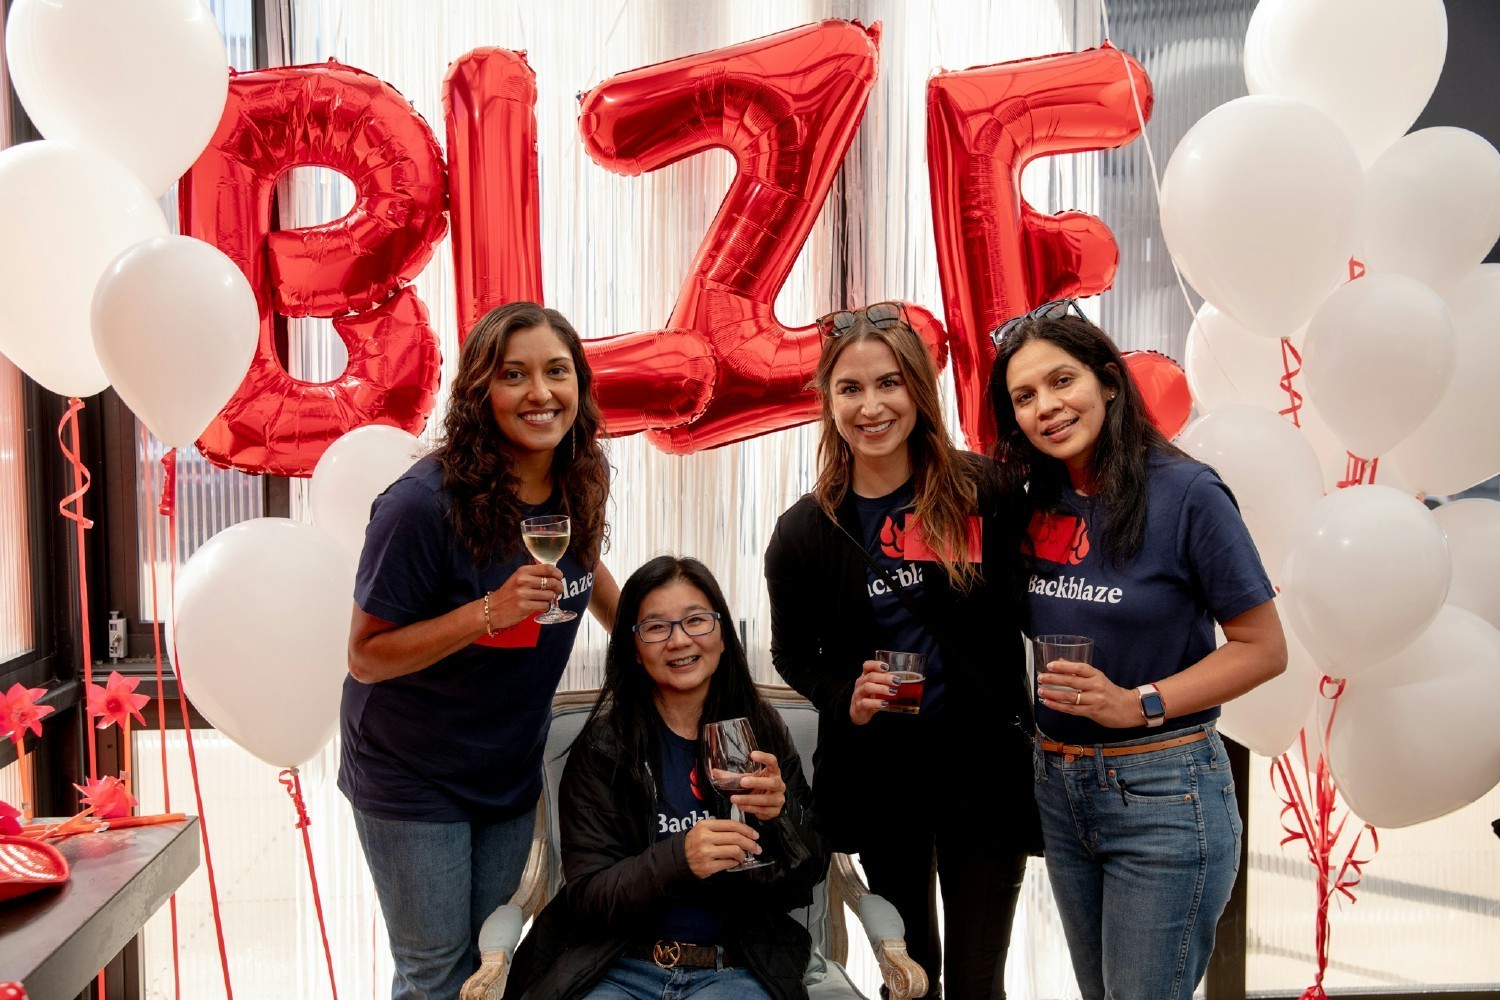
x: 1112, y: 394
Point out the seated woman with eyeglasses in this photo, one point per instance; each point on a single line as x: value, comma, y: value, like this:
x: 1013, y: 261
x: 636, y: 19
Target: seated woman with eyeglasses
x: 908, y: 544
x: 653, y: 906
x: 1140, y: 548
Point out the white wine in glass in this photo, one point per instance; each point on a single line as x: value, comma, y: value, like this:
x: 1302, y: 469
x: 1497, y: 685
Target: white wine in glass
x: 546, y: 539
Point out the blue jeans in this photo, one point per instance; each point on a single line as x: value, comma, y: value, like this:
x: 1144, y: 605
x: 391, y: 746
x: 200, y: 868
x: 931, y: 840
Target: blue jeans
x: 1142, y: 852
x: 638, y: 979
x: 437, y: 882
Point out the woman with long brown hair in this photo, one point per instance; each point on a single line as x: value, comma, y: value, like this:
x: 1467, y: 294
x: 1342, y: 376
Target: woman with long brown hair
x: 909, y: 544
x: 446, y: 709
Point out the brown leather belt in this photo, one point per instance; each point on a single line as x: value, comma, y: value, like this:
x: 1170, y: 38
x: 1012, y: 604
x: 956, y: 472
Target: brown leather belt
x: 683, y: 955
x: 1073, y: 750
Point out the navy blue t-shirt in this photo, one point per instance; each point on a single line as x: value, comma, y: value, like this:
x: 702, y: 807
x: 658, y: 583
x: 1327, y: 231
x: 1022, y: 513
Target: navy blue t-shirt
x: 680, y: 804
x: 883, y: 522
x: 1154, y: 616
x: 462, y: 739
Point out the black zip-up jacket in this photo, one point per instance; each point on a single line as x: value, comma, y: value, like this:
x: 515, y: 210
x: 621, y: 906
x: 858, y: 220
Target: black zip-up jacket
x: 619, y: 876
x: 823, y: 629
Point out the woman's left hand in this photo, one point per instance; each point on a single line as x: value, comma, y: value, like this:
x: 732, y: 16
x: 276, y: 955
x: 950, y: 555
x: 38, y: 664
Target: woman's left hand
x: 764, y: 792
x: 1074, y: 688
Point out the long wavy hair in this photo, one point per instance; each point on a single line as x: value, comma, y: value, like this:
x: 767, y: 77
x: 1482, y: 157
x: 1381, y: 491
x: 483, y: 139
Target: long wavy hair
x: 486, y: 511
x: 626, y: 708
x: 1125, y: 440
x: 946, y: 480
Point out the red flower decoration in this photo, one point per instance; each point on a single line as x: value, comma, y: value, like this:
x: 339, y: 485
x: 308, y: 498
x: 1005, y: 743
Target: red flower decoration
x: 10, y: 820
x: 108, y: 796
x: 20, y: 712
x: 115, y: 702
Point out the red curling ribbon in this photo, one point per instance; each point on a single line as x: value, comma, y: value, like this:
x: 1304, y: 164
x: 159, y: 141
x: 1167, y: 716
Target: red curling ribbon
x: 997, y: 256
x: 293, y: 784
x: 67, y: 442
x: 1291, y: 367
x: 168, y: 503
x: 786, y: 107
x: 353, y: 270
x: 1356, y: 269
x: 489, y: 106
x: 1319, y: 825
x: 1356, y: 469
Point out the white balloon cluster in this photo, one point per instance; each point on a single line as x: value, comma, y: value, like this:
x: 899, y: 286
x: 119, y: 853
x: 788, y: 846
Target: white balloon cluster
x: 1266, y: 206
x: 93, y: 291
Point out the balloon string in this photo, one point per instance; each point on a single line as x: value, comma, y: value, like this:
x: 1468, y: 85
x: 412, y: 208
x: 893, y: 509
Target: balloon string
x: 187, y: 727
x: 1355, y: 470
x: 165, y: 508
x: 293, y: 784
x: 1356, y: 269
x: 1291, y: 367
x: 81, y: 480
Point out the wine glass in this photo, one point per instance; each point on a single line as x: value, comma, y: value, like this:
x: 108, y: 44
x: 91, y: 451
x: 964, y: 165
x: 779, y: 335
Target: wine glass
x: 727, y: 746
x: 546, y: 538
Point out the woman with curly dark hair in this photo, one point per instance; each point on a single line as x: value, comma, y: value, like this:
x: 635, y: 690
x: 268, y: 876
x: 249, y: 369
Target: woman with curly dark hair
x: 446, y: 709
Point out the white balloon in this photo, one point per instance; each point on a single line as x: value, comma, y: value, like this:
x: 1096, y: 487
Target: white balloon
x: 356, y: 469
x: 1366, y: 571
x: 1267, y: 463
x: 1268, y: 718
x: 1370, y: 65
x: 1457, y: 446
x: 1414, y: 737
x: 262, y: 635
x: 68, y: 212
x: 175, y: 325
x: 143, y: 82
x: 1378, y: 357
x: 1225, y: 363
x: 1472, y: 528
x: 1260, y: 207
x: 1432, y: 208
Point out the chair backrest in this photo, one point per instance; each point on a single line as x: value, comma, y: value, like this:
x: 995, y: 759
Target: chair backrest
x: 570, y: 709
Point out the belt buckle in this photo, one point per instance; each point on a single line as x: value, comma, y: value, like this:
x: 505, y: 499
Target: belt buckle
x: 666, y: 954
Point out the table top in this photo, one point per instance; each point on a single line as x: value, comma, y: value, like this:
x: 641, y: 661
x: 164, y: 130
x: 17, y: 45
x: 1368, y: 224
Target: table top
x: 55, y: 941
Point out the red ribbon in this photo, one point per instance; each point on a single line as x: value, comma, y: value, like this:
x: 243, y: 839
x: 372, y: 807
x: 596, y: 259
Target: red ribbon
x: 1291, y: 367
x: 168, y: 504
x: 81, y: 478
x: 1317, y: 827
x: 293, y: 785
x: 1355, y: 470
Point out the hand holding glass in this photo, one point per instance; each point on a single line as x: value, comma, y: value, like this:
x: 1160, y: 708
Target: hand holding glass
x: 546, y: 539
x: 1046, y: 648
x: 727, y: 747
x: 909, y: 676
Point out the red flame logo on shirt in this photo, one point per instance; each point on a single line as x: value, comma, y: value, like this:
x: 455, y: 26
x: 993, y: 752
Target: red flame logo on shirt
x: 1059, y: 538
x: 693, y: 783
x: 892, y: 539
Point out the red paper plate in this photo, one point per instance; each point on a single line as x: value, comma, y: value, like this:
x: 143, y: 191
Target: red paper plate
x: 27, y: 865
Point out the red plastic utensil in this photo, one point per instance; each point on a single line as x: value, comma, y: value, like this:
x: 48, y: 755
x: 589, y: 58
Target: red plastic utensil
x: 27, y: 865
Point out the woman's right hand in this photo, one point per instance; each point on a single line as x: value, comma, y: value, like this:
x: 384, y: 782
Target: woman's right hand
x: 716, y: 845
x: 874, y: 688
x: 528, y: 591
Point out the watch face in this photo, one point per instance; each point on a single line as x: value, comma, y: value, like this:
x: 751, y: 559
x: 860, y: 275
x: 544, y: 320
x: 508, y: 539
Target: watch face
x: 1151, y: 704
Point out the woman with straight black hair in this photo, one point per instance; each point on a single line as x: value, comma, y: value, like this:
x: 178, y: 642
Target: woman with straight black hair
x: 653, y: 906
x: 451, y: 675
x: 1141, y: 549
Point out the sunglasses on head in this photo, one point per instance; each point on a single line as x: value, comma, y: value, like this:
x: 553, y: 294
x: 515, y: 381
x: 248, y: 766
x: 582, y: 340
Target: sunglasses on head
x: 1056, y: 309
x: 881, y: 315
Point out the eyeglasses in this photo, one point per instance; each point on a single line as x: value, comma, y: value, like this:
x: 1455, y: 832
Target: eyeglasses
x: 660, y: 629
x: 881, y: 316
x: 1056, y: 309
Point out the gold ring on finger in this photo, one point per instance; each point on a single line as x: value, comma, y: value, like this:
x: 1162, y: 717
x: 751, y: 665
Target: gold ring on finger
x: 1078, y: 698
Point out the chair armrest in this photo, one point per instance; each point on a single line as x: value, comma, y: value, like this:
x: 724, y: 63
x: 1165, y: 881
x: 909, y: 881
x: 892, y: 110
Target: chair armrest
x: 501, y: 930
x: 903, y: 977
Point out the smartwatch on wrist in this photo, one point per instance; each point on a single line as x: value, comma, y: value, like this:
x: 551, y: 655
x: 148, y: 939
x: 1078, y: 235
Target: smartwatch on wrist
x: 1152, y: 706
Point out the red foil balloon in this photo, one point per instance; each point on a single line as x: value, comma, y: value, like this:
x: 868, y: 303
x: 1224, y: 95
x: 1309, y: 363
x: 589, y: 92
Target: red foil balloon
x: 1164, y: 389
x: 786, y: 106
x: 997, y: 256
x: 337, y: 117
x: 489, y: 104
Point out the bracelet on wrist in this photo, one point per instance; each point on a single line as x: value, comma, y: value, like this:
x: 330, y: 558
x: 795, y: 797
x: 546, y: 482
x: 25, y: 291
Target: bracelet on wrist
x: 489, y: 628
